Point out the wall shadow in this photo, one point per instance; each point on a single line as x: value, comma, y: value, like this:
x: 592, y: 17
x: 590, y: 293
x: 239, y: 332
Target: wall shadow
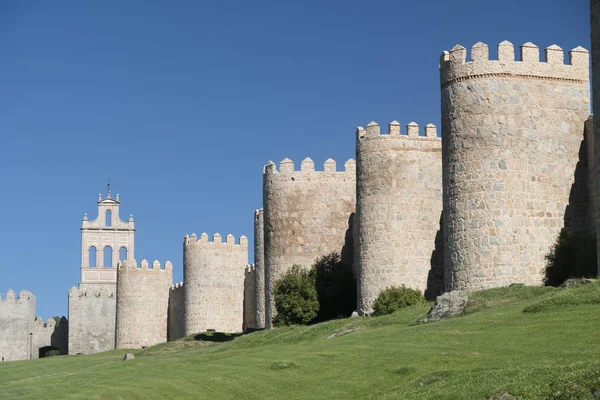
x: 579, y: 212
x: 435, y: 278
x: 219, y: 337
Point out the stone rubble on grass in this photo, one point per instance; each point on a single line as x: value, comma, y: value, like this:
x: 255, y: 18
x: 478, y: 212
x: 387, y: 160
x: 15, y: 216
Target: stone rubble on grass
x: 128, y: 356
x: 577, y: 281
x: 447, y: 305
x: 340, y: 333
x: 354, y: 314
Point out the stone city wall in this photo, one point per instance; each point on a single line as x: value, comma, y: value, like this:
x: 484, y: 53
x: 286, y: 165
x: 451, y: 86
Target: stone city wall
x: 16, y: 324
x: 176, y: 312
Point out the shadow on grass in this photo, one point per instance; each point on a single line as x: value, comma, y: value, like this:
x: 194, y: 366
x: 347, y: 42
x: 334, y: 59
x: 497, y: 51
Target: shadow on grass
x: 219, y: 337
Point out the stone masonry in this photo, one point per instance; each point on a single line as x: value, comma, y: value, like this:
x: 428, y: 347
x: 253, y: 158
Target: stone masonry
x: 175, y: 328
x: 512, y: 132
x: 398, y: 210
x: 259, y: 269
x: 142, y: 304
x: 307, y: 214
x: 249, y: 298
x: 214, y: 283
x: 595, y: 38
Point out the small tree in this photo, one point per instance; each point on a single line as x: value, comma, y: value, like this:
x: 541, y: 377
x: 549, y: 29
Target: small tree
x: 394, y: 298
x: 572, y: 256
x: 295, y: 297
x: 336, y: 287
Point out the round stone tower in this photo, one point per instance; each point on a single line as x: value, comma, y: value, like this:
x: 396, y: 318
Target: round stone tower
x: 511, y: 133
x: 142, y: 304
x: 213, y: 276
x: 307, y: 215
x: 398, y: 210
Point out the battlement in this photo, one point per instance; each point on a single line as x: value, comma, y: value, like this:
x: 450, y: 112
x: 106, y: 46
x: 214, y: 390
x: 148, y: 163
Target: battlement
x: 455, y: 67
x: 50, y: 322
x: 106, y: 291
x: 127, y: 266
x: 193, y: 242
x: 177, y: 286
x: 307, y: 165
x: 249, y: 268
x: 412, y: 131
x: 24, y: 296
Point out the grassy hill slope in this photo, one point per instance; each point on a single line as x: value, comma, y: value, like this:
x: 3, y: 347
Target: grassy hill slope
x: 494, y: 347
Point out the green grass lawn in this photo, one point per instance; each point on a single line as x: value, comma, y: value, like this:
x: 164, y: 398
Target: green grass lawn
x: 495, y: 347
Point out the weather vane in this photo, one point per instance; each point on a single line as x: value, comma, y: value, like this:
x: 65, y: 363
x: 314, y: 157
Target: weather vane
x: 108, y: 184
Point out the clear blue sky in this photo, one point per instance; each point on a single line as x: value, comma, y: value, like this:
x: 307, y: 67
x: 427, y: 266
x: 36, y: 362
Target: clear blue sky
x: 187, y: 100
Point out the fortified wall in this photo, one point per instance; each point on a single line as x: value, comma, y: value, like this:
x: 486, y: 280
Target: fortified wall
x: 512, y: 134
x: 398, y: 211
x: 249, y: 298
x: 17, y: 315
x: 259, y: 270
x: 142, y: 304
x: 213, y: 273
x: 175, y: 323
x: 93, y: 306
x: 595, y: 38
x: 307, y: 214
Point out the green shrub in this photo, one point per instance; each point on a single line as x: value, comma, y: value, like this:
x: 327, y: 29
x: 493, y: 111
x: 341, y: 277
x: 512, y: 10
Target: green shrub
x: 583, y: 383
x: 295, y: 297
x: 336, y: 287
x: 394, y: 298
x: 572, y: 256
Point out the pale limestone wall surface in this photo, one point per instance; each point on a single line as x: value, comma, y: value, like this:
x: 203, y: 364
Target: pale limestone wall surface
x: 213, y: 276
x: 398, y: 211
x: 512, y: 133
x: 92, y: 315
x: 595, y: 38
x: 249, y: 298
x: 307, y: 214
x: 176, y: 312
x: 17, y: 315
x: 142, y: 304
x: 259, y: 269
x: 50, y: 334
x: 100, y: 233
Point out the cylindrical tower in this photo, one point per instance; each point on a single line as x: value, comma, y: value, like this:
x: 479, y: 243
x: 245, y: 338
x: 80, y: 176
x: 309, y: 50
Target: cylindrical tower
x: 307, y: 215
x: 595, y: 36
x: 213, y: 276
x: 142, y: 304
x: 511, y: 133
x: 259, y: 270
x: 399, y: 206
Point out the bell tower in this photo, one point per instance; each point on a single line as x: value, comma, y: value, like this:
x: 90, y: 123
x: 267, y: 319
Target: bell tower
x: 105, y: 241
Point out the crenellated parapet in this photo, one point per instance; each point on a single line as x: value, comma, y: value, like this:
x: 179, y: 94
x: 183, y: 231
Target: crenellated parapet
x: 512, y: 133
x: 286, y: 166
x: 454, y: 66
x: 24, y: 296
x: 306, y: 215
x: 213, y: 272
x: 193, y: 242
x: 131, y: 267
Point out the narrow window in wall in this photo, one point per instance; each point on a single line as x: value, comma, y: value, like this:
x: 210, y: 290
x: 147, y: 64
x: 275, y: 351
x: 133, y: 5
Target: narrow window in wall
x: 108, y: 218
x: 123, y: 254
x: 108, y: 257
x: 92, y: 257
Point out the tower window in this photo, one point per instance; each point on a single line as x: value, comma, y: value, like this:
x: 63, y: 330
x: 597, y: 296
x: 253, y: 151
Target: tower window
x: 123, y: 254
x: 92, y: 257
x: 108, y: 218
x: 108, y: 257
